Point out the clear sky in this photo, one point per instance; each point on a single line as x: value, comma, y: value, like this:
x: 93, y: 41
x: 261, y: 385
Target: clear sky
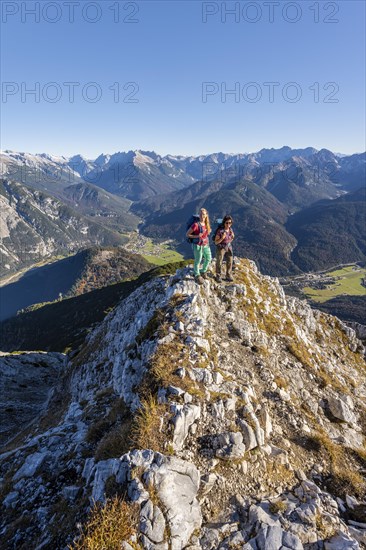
x: 296, y: 70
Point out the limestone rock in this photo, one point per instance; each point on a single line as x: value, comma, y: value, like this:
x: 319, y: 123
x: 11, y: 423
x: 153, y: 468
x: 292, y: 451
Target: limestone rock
x: 341, y: 542
x: 231, y: 446
x: 207, y: 482
x: 32, y: 463
x: 249, y: 438
x: 289, y: 540
x: 184, y: 417
x: 152, y: 522
x: 176, y: 483
x: 341, y: 410
x: 269, y: 537
x: 260, y: 515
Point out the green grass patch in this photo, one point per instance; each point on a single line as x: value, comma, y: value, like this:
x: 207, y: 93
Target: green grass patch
x: 166, y: 257
x: 156, y: 253
x: 347, y: 281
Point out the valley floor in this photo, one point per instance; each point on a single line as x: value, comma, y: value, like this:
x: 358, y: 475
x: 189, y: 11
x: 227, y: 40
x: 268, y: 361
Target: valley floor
x: 346, y: 281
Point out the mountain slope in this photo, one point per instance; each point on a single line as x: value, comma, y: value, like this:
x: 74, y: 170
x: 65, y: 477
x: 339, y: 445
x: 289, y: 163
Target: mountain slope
x: 62, y: 178
x: 352, y: 171
x: 86, y: 271
x: 330, y: 233
x: 35, y: 225
x: 99, y: 206
x: 65, y: 324
x: 138, y: 174
x: 214, y: 416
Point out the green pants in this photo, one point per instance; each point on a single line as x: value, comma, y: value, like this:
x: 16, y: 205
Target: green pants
x: 221, y: 253
x: 200, y: 252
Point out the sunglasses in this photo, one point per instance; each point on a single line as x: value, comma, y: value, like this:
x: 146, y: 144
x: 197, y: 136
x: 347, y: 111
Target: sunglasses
x: 228, y: 223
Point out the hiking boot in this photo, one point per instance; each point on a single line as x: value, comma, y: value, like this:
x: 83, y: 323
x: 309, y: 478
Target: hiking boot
x: 204, y: 275
x: 229, y: 278
x: 198, y: 279
x: 218, y: 278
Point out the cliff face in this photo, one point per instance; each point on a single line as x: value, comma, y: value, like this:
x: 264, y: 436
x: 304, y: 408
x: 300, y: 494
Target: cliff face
x: 225, y: 416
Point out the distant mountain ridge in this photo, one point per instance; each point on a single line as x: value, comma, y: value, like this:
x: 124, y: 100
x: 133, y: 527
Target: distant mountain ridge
x: 139, y: 174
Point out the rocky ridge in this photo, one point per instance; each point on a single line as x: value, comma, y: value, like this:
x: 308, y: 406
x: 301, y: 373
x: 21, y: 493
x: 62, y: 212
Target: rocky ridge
x: 231, y: 415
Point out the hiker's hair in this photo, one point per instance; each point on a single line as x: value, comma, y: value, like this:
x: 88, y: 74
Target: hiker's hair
x: 206, y: 219
x: 227, y: 219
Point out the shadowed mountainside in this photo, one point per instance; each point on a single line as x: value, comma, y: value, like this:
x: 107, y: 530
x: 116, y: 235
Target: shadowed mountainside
x: 86, y: 271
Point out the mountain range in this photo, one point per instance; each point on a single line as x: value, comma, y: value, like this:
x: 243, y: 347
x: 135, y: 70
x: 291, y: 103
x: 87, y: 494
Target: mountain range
x: 137, y: 175
x: 270, y: 193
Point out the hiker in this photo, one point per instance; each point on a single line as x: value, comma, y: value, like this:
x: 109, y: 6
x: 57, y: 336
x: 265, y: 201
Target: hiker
x: 223, y: 239
x: 199, y: 232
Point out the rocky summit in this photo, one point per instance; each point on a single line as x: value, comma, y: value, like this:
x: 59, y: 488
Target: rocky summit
x: 220, y: 416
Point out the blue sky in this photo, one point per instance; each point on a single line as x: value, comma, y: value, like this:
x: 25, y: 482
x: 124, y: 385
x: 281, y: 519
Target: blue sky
x: 169, y: 51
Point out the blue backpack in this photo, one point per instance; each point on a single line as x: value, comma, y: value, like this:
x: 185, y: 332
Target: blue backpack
x: 218, y: 226
x: 193, y: 219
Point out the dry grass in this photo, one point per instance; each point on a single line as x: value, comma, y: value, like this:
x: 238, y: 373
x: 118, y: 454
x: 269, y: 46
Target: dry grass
x: 218, y: 396
x: 115, y: 443
x: 344, y: 477
x: 325, y: 528
x: 360, y: 455
x: 335, y: 335
x: 118, y: 412
x: 108, y: 526
x: 331, y: 333
x: 316, y: 364
x: 179, y: 315
x: 281, y: 383
x: 147, y: 430
x: 279, y: 474
x: 177, y: 300
x: 299, y: 351
x: 161, y: 374
x: 226, y: 376
x: 329, y: 379
x: 212, y: 354
x: 277, y: 507
x: 150, y: 425
x: 110, y: 435
x: 166, y: 361
x: 267, y: 321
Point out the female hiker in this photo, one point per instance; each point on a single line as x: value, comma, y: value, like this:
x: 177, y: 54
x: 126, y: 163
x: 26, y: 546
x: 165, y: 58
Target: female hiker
x: 199, y: 232
x: 223, y: 239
